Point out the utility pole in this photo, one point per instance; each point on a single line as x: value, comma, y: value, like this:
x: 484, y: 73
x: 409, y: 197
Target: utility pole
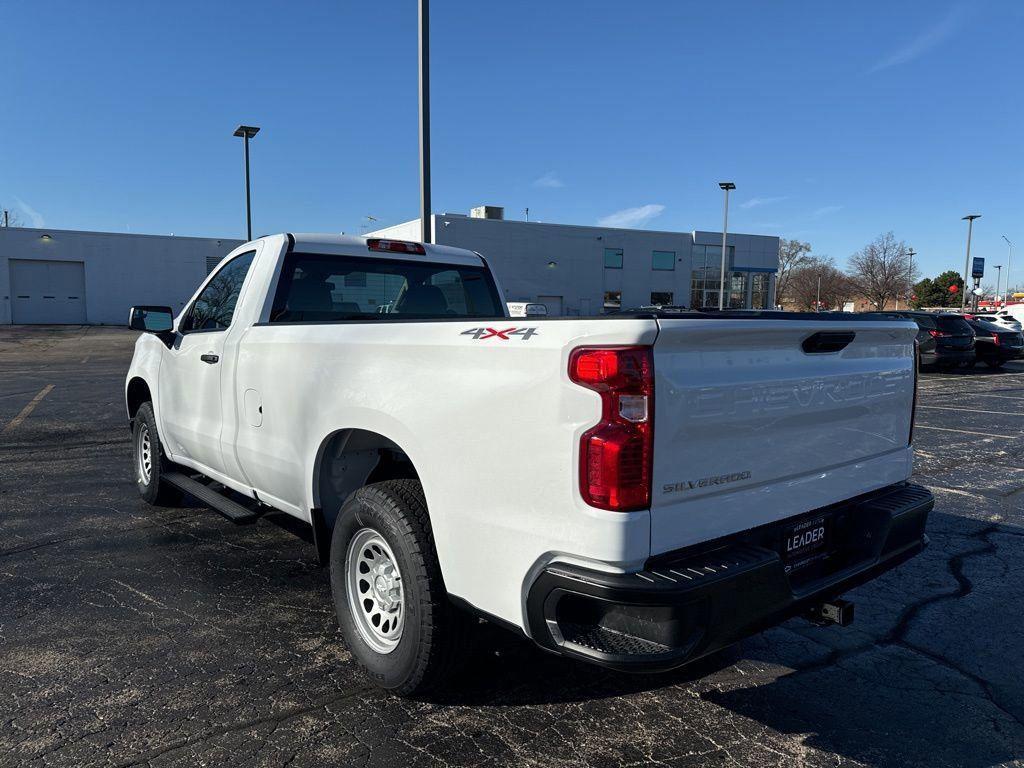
x: 725, y: 187
x: 1009, y: 266
x: 967, y: 263
x: 910, y: 278
x: 425, y: 233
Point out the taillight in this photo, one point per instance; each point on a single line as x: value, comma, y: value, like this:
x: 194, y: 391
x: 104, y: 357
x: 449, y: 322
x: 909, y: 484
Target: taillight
x: 395, y: 246
x: 616, y: 453
x: 995, y: 339
x: 913, y: 407
x: 939, y: 334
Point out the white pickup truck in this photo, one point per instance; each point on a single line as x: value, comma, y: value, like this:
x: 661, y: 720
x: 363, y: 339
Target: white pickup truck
x: 635, y: 491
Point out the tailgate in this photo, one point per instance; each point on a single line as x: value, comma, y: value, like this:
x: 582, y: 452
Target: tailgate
x: 750, y: 428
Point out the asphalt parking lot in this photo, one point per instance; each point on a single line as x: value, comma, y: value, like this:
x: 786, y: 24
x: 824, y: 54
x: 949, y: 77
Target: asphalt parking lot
x: 136, y: 636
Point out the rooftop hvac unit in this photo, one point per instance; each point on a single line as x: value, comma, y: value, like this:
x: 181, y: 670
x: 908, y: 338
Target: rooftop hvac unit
x: 487, y: 212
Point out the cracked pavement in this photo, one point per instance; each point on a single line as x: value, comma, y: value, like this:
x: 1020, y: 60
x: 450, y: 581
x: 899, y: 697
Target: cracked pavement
x: 138, y: 636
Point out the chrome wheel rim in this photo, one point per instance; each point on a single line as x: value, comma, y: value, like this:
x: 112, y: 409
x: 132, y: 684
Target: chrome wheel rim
x: 144, y: 455
x: 376, y: 595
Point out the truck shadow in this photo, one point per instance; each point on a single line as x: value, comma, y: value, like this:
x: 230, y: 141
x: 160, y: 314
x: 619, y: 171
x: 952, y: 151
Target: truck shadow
x: 932, y: 672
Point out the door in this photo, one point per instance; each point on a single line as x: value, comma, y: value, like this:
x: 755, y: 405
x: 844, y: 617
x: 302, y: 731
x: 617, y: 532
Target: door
x: 45, y: 291
x: 191, y: 408
x: 553, y: 303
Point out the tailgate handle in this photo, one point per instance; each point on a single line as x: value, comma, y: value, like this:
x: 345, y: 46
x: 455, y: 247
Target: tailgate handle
x: 827, y: 341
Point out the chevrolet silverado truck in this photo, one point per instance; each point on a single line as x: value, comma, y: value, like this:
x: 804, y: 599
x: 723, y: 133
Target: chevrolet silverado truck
x: 636, y: 491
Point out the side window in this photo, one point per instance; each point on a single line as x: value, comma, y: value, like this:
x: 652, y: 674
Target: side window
x: 215, y: 306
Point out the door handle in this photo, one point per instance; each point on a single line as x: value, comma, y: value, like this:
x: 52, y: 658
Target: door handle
x: 209, y: 358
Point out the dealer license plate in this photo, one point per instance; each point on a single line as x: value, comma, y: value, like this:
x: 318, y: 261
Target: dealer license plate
x: 806, y: 540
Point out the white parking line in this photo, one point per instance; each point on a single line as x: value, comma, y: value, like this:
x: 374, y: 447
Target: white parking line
x: 968, y: 410
x: 967, y: 432
x: 1001, y: 397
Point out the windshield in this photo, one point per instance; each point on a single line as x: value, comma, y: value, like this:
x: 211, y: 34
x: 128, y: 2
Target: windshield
x: 320, y: 287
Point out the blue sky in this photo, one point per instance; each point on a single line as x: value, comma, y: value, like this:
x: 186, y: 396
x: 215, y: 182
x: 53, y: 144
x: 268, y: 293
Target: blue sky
x: 837, y: 121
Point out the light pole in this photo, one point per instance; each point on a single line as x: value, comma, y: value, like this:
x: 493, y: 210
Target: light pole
x: 725, y: 186
x: 999, y: 274
x: 1009, y: 266
x: 425, y: 233
x: 246, y: 132
x: 967, y: 262
x: 910, y: 276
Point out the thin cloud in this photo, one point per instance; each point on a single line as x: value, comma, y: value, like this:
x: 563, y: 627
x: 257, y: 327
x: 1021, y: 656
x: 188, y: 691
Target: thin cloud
x: 924, y: 42
x: 756, y: 202
x: 628, y: 218
x: 34, y: 216
x: 549, y: 181
x: 826, y: 210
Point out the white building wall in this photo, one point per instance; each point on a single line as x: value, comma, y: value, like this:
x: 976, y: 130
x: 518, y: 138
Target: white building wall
x: 120, y: 269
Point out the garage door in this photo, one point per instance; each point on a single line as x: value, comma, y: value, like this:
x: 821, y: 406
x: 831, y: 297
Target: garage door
x: 47, y: 291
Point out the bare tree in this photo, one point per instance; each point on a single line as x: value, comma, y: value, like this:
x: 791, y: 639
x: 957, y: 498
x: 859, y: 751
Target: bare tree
x: 818, y: 279
x: 880, y: 271
x: 792, y: 253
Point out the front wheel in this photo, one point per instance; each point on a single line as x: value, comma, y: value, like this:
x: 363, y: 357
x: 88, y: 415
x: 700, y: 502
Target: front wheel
x: 150, y: 462
x: 389, y: 596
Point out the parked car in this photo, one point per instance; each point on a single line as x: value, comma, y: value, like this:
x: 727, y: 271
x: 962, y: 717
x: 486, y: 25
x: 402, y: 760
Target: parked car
x: 995, y: 346
x: 635, y: 491
x: 945, y: 340
x: 1002, y: 318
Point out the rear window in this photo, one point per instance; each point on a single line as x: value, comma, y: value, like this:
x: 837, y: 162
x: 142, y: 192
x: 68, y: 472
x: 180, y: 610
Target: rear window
x: 320, y: 287
x: 953, y: 324
x: 926, y: 322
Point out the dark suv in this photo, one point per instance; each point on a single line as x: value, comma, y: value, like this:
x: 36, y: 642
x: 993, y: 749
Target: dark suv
x: 946, y: 341
x: 995, y: 345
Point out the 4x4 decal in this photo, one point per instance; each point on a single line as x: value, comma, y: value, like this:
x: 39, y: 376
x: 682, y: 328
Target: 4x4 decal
x: 504, y: 334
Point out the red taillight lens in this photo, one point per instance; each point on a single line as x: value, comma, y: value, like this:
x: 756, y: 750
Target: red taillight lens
x: 995, y: 339
x: 616, y: 453
x: 939, y: 334
x: 395, y: 246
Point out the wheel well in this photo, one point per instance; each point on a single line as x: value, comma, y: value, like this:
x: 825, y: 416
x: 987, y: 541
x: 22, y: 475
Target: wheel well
x: 137, y: 394
x: 352, y: 458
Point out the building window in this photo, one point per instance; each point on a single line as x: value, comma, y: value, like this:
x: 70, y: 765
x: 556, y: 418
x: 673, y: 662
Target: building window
x: 612, y: 300
x: 613, y: 258
x: 737, y: 287
x: 706, y: 278
x: 661, y: 298
x: 759, y: 290
x: 663, y: 260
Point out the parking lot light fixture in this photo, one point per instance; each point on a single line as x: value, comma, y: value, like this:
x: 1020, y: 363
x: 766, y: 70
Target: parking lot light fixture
x: 967, y: 262
x: 725, y: 186
x: 910, y: 276
x: 246, y: 132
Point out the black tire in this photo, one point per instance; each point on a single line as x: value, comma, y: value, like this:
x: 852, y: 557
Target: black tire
x: 152, y: 489
x: 433, y: 631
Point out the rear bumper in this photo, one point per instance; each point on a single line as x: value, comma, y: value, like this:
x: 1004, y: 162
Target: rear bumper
x: 941, y: 356
x: 688, y: 604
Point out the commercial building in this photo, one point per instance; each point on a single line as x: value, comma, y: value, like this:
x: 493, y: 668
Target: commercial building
x: 73, y: 277
x: 70, y: 277
x: 583, y: 270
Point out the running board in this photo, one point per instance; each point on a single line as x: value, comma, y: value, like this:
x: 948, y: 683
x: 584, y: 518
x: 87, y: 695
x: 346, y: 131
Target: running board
x: 232, y: 510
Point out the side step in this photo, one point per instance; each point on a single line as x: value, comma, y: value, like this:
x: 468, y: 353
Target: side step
x: 232, y: 510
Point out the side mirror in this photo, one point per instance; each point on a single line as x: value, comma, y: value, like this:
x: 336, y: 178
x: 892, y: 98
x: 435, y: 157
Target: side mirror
x: 151, y: 319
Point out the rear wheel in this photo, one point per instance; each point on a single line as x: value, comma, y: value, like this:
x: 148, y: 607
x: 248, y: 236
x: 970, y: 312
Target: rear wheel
x: 391, y: 602
x: 150, y: 462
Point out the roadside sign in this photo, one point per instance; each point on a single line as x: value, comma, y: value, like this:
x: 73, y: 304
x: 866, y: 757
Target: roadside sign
x: 978, y: 270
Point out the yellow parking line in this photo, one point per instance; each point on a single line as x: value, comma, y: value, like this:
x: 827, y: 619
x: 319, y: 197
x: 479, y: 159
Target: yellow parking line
x: 28, y: 409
